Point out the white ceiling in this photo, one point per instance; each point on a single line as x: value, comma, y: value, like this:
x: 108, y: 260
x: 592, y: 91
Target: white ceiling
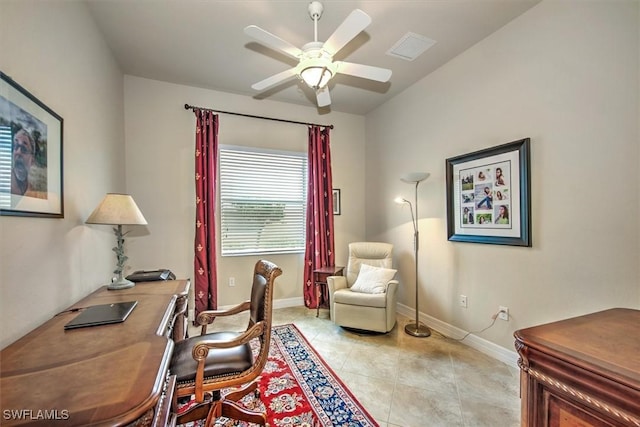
x: 201, y: 43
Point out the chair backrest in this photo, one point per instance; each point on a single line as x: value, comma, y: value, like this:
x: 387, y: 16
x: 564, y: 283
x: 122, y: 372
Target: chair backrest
x: 264, y: 274
x: 261, y: 304
x: 372, y: 253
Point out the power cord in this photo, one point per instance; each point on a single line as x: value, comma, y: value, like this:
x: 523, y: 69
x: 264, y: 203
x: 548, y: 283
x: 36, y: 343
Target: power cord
x: 494, y: 317
x: 71, y: 310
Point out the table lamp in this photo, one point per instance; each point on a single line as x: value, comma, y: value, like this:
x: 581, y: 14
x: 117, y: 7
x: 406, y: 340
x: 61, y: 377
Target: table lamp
x: 118, y: 209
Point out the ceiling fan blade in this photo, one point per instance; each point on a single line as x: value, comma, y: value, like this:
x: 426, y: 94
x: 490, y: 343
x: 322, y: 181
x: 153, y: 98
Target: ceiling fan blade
x: 323, y: 97
x: 275, y: 79
x: 365, y: 71
x: 350, y: 27
x: 272, y: 41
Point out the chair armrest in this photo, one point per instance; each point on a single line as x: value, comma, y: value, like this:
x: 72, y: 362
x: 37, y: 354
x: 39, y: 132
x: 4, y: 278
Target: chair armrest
x: 207, y: 317
x: 201, y: 350
x: 392, y: 286
x: 392, y: 289
x: 336, y: 282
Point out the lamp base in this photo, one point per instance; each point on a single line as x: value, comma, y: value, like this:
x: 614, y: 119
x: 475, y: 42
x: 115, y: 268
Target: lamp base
x: 121, y: 283
x: 417, y: 330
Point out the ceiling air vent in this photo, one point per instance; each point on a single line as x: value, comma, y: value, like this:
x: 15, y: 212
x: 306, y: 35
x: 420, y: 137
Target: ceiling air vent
x: 410, y: 46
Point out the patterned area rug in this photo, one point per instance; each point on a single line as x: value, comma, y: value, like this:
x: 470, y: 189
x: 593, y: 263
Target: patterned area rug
x: 298, y: 388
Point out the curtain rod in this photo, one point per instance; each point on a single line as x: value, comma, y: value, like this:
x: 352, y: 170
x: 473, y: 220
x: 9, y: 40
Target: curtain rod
x: 191, y: 107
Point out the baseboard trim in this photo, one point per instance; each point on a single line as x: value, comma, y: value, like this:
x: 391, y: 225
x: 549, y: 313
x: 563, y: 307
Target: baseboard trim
x: 487, y: 347
x: 288, y: 302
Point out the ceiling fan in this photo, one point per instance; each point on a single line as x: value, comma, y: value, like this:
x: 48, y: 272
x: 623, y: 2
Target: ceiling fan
x: 316, y: 66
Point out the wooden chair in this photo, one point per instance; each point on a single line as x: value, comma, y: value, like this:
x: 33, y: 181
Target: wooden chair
x: 208, y: 363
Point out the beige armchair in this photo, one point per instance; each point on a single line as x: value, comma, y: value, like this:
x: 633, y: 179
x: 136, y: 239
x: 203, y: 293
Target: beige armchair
x: 372, y: 308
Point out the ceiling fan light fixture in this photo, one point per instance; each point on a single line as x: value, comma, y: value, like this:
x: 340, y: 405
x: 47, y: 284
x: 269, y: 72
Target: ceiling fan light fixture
x: 316, y: 76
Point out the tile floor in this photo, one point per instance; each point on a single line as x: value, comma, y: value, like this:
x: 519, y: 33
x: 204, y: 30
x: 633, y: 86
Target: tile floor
x: 404, y: 381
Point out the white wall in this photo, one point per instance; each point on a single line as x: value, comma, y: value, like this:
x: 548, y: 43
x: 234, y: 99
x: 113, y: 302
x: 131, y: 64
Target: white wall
x: 54, y: 51
x: 160, y: 136
x: 565, y: 74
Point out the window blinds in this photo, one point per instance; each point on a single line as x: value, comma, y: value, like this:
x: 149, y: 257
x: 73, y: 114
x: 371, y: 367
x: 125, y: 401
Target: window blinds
x: 262, y: 201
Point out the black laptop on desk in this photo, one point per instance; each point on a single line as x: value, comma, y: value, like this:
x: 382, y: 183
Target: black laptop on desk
x: 102, y: 314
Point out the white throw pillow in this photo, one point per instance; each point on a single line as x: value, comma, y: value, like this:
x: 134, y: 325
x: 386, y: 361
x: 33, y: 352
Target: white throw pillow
x: 373, y: 280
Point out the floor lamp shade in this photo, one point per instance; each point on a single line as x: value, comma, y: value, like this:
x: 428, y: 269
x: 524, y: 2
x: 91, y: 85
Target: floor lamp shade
x: 119, y: 210
x: 415, y: 177
x: 415, y: 329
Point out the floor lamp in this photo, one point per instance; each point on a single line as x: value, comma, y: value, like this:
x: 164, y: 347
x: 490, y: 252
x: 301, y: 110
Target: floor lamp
x: 416, y: 329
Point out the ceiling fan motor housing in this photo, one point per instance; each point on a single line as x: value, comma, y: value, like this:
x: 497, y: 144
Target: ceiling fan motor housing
x: 314, y: 50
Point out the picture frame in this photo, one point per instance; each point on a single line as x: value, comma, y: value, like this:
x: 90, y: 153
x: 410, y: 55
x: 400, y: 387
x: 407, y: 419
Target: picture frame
x: 336, y: 201
x: 489, y: 195
x: 31, y: 171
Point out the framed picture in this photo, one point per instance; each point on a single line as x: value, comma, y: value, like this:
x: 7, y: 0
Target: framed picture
x: 336, y: 201
x: 489, y: 195
x: 30, y: 154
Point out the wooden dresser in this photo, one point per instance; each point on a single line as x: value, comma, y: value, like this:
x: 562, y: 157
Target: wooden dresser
x: 583, y: 371
x: 111, y: 375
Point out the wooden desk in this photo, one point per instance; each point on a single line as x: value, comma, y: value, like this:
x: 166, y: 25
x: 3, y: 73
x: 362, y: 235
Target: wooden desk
x: 581, y: 372
x: 111, y: 375
x: 320, y: 279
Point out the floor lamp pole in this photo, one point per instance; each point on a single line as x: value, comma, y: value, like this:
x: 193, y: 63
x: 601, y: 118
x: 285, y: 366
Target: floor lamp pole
x: 416, y: 329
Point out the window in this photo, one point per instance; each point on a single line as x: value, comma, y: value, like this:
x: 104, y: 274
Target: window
x: 263, y: 196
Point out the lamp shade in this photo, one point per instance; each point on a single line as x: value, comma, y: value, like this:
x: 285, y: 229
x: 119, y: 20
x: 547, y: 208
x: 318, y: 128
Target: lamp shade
x: 117, y: 209
x: 413, y: 177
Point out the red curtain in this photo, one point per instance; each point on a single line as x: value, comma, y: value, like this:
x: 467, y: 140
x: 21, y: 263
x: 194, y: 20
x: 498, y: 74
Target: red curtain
x: 206, y: 154
x: 320, y: 233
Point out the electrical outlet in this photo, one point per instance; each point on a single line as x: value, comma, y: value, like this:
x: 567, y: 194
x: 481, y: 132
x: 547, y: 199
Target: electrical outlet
x: 463, y: 301
x: 232, y: 281
x: 504, y: 313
